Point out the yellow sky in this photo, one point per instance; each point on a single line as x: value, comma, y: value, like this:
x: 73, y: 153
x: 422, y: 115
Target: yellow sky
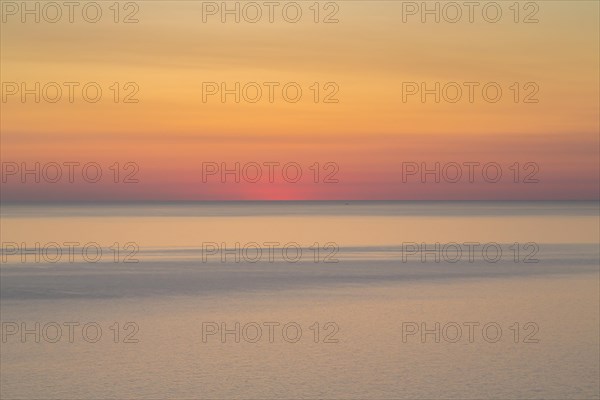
x: 368, y: 54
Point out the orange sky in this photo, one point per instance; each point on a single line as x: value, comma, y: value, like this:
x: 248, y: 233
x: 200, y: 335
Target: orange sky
x: 364, y: 61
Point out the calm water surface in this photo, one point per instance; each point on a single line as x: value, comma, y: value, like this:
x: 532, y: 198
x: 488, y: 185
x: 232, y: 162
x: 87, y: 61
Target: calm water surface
x: 540, y: 303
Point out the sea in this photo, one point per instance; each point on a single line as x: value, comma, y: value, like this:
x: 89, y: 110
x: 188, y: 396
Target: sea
x: 300, y: 299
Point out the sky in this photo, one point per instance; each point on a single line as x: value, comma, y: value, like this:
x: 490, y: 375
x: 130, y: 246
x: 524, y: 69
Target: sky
x: 361, y: 121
